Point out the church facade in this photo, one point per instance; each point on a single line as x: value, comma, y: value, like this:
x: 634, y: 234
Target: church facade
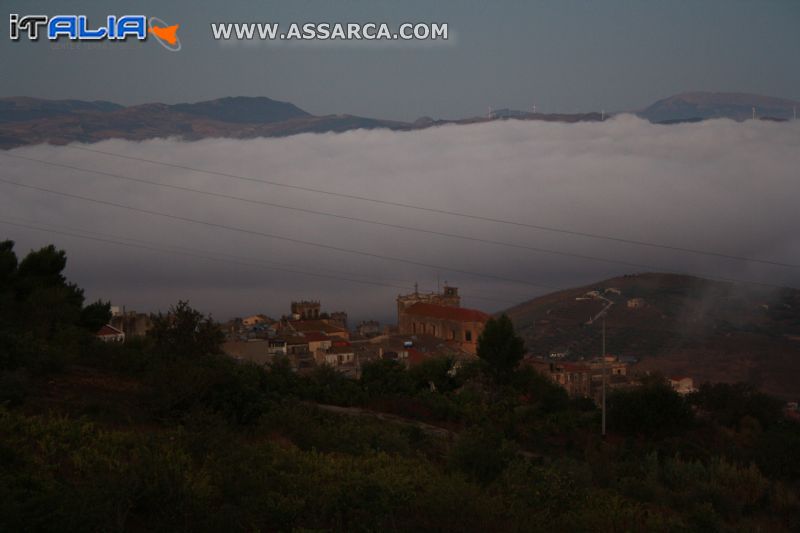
x: 439, y: 314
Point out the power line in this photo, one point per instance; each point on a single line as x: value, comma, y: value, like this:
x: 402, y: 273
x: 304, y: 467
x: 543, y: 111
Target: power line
x: 341, y: 249
x: 444, y: 211
x: 278, y: 237
x: 230, y: 259
x: 397, y: 226
x: 267, y: 264
x: 20, y: 220
x: 345, y: 217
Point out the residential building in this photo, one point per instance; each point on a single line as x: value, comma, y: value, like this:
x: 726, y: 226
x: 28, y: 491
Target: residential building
x: 109, y: 333
x: 131, y: 323
x: 682, y: 384
x: 318, y: 326
x: 636, y: 303
x: 338, y: 318
x: 253, y: 320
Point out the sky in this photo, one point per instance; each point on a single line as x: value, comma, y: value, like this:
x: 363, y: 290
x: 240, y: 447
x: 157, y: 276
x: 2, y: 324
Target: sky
x: 560, y: 55
x: 719, y: 186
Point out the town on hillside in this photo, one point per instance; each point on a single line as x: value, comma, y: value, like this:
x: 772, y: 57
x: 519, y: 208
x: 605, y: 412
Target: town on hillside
x: 429, y: 325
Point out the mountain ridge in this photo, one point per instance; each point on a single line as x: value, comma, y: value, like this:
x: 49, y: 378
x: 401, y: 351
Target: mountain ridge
x: 26, y: 120
x: 694, y: 105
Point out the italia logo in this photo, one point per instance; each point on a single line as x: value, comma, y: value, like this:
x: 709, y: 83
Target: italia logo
x: 77, y: 28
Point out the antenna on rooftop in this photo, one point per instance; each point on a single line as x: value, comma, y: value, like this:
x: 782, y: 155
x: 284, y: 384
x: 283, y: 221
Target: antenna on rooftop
x: 603, y: 415
x: 534, y: 108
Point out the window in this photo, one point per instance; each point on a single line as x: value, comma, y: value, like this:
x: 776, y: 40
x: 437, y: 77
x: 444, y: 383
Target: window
x: 468, y: 335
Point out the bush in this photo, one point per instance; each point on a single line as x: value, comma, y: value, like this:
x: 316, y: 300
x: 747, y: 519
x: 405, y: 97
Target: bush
x: 653, y: 409
x: 482, y: 454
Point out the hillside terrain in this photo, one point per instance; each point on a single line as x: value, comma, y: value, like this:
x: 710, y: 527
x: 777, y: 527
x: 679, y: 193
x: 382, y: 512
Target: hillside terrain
x: 711, y: 331
x: 695, y: 106
x: 167, y: 433
x: 25, y: 121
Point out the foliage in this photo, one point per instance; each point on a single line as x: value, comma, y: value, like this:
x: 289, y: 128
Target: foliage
x: 482, y: 454
x: 166, y: 433
x: 729, y: 403
x: 500, y: 347
x: 185, y: 332
x: 654, y: 409
x: 42, y: 317
x: 384, y: 377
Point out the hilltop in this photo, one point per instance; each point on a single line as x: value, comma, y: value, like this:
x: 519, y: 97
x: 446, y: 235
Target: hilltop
x: 709, y: 330
x: 25, y: 121
x: 695, y: 106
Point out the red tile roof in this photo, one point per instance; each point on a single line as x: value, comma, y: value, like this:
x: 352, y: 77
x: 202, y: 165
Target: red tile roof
x: 319, y: 326
x: 315, y: 336
x: 459, y: 314
x: 107, y: 331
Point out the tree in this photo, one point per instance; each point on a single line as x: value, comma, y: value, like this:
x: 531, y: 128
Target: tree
x: 185, y: 332
x: 385, y: 377
x: 95, y: 316
x: 42, y: 318
x: 500, y: 348
x: 653, y: 409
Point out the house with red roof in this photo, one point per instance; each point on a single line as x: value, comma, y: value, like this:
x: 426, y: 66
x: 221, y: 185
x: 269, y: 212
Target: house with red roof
x: 682, y: 384
x: 109, y: 333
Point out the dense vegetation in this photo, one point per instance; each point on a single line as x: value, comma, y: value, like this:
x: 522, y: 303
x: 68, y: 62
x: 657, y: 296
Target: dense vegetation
x: 166, y: 433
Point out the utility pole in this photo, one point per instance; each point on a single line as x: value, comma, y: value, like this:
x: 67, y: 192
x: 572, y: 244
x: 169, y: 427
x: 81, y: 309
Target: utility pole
x: 604, y: 379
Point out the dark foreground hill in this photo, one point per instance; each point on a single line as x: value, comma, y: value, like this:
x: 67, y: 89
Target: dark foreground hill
x: 679, y: 325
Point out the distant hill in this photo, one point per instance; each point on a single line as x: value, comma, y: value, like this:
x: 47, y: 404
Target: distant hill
x: 242, y: 109
x: 694, y: 106
x: 690, y: 326
x: 22, y: 108
x: 25, y: 121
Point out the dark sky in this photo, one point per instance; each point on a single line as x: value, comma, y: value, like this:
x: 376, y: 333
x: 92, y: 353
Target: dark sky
x: 561, y: 55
